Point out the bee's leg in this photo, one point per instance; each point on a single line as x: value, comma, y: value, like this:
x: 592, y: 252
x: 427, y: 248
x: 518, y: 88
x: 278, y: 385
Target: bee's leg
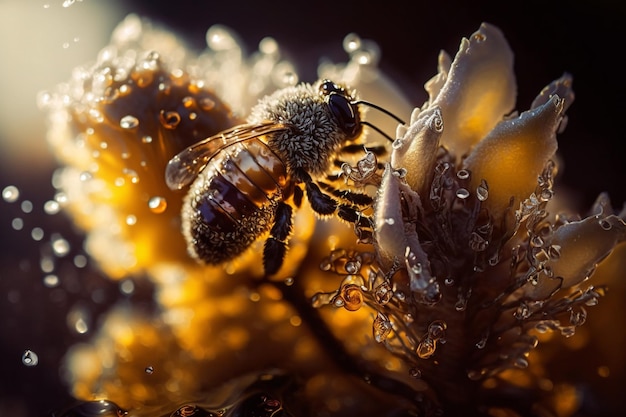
x: 360, y: 199
x: 276, y: 245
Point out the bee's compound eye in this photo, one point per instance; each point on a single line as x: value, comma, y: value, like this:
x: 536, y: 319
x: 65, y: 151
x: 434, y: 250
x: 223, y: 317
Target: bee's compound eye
x: 345, y: 115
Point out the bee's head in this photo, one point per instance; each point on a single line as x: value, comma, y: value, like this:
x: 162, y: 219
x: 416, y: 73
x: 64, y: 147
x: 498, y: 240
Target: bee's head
x: 342, y: 107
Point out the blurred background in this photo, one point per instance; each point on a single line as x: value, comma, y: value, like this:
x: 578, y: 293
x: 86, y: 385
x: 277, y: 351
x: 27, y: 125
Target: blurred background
x: 42, y: 40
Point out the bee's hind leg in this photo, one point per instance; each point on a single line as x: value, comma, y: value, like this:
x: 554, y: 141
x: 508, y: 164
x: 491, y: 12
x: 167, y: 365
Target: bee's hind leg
x: 276, y: 244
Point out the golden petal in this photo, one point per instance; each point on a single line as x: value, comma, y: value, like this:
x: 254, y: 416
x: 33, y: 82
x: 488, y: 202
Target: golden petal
x: 416, y: 151
x: 576, y: 248
x: 512, y: 156
x: 479, y: 91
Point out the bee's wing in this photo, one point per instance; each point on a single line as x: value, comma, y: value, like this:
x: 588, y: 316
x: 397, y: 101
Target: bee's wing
x: 182, y: 169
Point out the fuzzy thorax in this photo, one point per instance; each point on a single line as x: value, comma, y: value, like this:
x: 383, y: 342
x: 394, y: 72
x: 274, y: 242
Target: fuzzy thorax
x: 313, y: 137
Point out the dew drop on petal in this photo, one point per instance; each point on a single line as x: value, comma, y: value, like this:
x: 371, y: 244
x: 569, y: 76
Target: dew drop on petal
x: 30, y: 358
x: 463, y: 174
x: 462, y: 193
x: 381, y: 327
x: 129, y: 122
x: 10, y: 194
x: 149, y: 370
x: 426, y: 348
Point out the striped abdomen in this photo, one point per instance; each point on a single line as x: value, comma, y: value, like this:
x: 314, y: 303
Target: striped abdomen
x: 233, y: 201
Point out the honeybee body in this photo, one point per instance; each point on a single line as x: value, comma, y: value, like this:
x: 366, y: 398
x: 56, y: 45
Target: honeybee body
x: 243, y: 178
x: 233, y: 201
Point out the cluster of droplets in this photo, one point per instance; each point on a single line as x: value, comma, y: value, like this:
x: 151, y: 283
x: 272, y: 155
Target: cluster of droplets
x: 394, y: 325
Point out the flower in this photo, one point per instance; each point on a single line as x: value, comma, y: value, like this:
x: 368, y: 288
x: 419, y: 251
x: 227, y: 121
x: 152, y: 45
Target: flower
x: 438, y: 314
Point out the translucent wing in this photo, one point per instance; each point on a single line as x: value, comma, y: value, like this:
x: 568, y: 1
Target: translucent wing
x: 182, y: 169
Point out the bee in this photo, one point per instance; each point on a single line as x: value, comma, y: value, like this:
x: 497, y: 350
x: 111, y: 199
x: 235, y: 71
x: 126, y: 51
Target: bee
x: 243, y: 180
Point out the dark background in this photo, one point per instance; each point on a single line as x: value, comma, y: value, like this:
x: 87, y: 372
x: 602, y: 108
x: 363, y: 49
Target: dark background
x: 548, y: 38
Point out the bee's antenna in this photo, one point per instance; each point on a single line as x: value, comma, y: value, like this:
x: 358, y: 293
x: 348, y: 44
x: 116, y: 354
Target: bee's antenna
x: 378, y: 130
x: 387, y: 112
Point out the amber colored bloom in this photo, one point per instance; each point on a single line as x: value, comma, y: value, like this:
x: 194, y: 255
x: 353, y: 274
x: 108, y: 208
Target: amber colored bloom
x: 439, y: 315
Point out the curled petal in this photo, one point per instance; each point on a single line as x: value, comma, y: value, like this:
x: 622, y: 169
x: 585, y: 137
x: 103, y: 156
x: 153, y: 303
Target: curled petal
x: 575, y: 249
x: 416, y: 151
x: 479, y: 91
x: 512, y: 156
x: 390, y: 229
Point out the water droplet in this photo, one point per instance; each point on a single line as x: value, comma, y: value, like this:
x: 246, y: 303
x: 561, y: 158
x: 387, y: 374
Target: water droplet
x: 10, y: 194
x: 415, y: 373
x: 37, y: 233
x: 545, y: 194
x: 26, y: 206
x: 206, y: 104
x: 352, y: 267
x: 482, y: 191
x: 51, y: 207
x: 578, y: 318
x: 67, y: 3
x: 289, y: 281
x: 169, y: 119
x: 483, y: 341
x: 51, y: 280
x: 146, y: 139
x: 85, y: 176
x: 463, y: 174
x: 326, y: 265
x: 426, y: 348
x: 522, y: 312
x: 149, y: 370
x: 352, y: 297
x: 381, y: 327
x: 437, y: 329
x: 536, y: 241
x: 60, y: 246
x: 462, y: 193
x: 521, y: 363
x: 131, y: 220
x: 605, y: 224
x: 268, y: 46
x: 383, y: 293
x: 30, y: 358
x: 17, y: 223
x: 157, y: 204
x: 129, y: 122
x: 80, y: 261
x: 127, y: 287
x: 351, y: 43
x: 219, y: 38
